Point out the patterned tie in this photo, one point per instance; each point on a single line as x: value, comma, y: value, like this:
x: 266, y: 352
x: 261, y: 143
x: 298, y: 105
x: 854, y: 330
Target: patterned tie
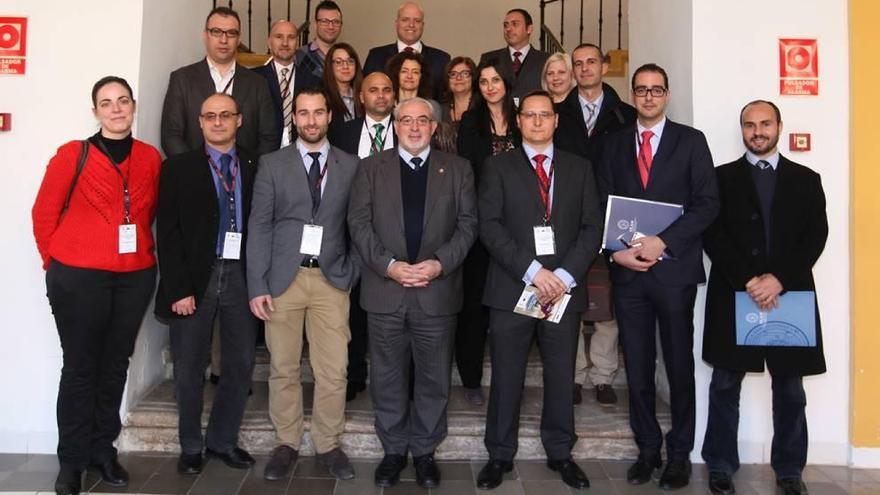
x: 378, y: 143
x: 286, y: 102
x: 417, y: 162
x: 544, y: 181
x: 646, y: 156
x: 409, y: 49
x: 314, y: 175
x: 517, y: 63
x: 591, y: 117
x: 763, y: 164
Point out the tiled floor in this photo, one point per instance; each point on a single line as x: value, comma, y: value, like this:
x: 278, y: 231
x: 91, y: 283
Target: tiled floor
x: 156, y: 474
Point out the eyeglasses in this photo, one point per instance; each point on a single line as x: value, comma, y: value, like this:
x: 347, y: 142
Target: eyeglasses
x: 456, y: 74
x: 329, y: 22
x: 656, y: 91
x: 219, y: 33
x: 532, y: 115
x: 224, y: 116
x: 341, y: 62
x: 408, y: 121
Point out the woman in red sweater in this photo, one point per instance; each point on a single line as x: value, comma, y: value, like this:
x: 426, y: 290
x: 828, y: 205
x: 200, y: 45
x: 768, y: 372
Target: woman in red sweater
x: 93, y: 231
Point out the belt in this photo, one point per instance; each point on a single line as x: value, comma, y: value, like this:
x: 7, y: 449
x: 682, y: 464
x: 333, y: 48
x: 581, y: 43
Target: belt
x: 310, y: 263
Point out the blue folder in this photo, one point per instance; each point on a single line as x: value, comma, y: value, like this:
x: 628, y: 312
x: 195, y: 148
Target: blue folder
x: 792, y: 324
x: 627, y: 219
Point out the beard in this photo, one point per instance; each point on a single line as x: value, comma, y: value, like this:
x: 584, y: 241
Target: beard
x: 761, y: 148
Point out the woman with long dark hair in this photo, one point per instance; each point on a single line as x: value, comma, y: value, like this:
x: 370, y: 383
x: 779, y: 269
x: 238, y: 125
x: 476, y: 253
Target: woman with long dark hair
x: 411, y: 77
x: 92, y: 223
x: 342, y: 84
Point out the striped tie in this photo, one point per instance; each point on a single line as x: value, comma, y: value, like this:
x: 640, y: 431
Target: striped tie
x: 378, y: 143
x: 286, y: 102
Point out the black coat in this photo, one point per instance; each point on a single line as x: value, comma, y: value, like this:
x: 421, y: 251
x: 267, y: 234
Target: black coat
x: 475, y: 138
x: 187, y: 219
x: 571, y: 133
x: 736, y: 244
x: 300, y: 80
x: 347, y: 136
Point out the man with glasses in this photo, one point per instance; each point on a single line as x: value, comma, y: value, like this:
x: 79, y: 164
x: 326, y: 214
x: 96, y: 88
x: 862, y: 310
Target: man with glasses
x: 328, y: 28
x: 655, y: 280
x: 412, y: 216
x: 218, y: 73
x: 540, y: 222
x: 201, y: 229
x: 410, y: 25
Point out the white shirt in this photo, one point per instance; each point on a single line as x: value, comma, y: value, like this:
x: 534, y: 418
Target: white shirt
x: 417, y: 46
x: 368, y: 132
x: 655, y: 139
x: 220, y: 82
x: 524, y: 51
x: 285, y: 135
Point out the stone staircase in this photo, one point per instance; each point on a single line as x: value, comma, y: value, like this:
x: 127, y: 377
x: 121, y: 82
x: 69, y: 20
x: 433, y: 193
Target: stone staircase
x: 603, y: 431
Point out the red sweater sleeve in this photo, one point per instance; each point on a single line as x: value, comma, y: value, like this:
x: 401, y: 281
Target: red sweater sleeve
x: 46, y: 213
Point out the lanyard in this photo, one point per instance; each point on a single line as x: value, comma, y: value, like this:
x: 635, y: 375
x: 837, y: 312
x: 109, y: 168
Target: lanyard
x: 126, y: 196
x: 545, y: 195
x: 226, y: 88
x: 229, y: 187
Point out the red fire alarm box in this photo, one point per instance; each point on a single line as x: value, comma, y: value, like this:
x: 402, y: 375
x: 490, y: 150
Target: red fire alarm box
x: 799, y: 141
x: 5, y: 122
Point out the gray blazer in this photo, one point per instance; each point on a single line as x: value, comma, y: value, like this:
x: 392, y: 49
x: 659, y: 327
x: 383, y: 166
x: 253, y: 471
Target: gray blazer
x: 190, y: 85
x: 529, y: 78
x: 375, y: 220
x: 282, y: 204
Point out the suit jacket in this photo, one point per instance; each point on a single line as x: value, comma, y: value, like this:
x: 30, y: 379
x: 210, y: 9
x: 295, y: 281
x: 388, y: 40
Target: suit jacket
x: 736, y: 243
x: 188, y: 88
x: 347, y: 136
x: 529, y: 78
x: 682, y: 172
x: 571, y: 133
x: 187, y: 219
x: 375, y: 220
x: 435, y: 58
x: 510, y: 208
x: 282, y: 205
x: 300, y: 80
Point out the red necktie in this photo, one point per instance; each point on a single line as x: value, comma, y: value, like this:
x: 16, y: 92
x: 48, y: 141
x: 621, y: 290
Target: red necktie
x: 646, y: 156
x: 409, y: 49
x: 544, y: 182
x: 517, y: 63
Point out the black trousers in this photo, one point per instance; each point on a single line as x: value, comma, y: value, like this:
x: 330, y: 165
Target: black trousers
x: 788, y: 454
x: 641, y: 306
x: 227, y: 297
x: 98, y: 314
x: 473, y: 320
x: 357, y: 346
x: 510, y: 337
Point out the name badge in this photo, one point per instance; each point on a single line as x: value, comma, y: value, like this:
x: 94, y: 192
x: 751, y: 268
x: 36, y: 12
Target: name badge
x: 311, y: 240
x: 232, y: 246
x: 127, y: 238
x: 545, y: 243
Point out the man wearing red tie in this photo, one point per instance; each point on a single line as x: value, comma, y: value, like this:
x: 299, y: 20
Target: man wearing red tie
x: 655, y: 281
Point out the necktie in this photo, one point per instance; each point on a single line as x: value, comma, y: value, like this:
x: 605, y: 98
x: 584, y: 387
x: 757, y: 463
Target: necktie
x: 517, y: 63
x: 646, y: 156
x: 543, y: 181
x: 226, y: 211
x: 286, y: 102
x: 378, y: 143
x: 591, y: 117
x: 409, y: 49
x: 763, y: 164
x: 417, y: 162
x: 314, y: 176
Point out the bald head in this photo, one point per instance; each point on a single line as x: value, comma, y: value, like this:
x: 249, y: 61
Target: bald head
x: 410, y: 22
x: 283, y: 41
x: 377, y: 95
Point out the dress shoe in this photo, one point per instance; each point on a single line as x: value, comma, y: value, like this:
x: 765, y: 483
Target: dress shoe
x: 572, y: 474
x: 69, y: 480
x: 474, y: 396
x: 189, y: 464
x: 427, y: 472
x: 640, y: 472
x: 577, y: 395
x: 337, y: 464
x: 676, y: 474
x: 236, y: 458
x: 280, y: 464
x: 492, y: 474
x: 352, y: 389
x: 792, y: 486
x: 605, y: 395
x: 720, y: 483
x: 388, y: 471
x: 112, y: 472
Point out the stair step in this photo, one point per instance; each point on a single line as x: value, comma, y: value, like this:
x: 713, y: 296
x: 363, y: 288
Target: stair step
x: 603, y: 431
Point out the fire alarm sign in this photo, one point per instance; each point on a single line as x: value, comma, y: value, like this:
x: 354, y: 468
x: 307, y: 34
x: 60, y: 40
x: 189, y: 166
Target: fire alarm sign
x: 798, y: 67
x: 13, y: 44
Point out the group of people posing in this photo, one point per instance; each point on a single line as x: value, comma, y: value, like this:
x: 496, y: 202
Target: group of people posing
x: 403, y: 206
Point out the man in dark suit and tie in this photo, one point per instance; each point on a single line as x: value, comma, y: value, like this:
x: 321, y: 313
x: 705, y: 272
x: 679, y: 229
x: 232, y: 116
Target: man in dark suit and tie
x: 410, y: 24
x: 519, y: 60
x: 283, y: 78
x: 412, y: 216
x: 655, y: 281
x: 533, y: 191
x: 218, y: 73
x: 365, y: 136
x: 770, y: 232
x: 201, y: 229
x: 300, y: 270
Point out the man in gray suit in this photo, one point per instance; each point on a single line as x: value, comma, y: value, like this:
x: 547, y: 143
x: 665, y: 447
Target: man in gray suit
x: 519, y: 60
x: 218, y: 73
x: 412, y: 216
x: 300, y: 269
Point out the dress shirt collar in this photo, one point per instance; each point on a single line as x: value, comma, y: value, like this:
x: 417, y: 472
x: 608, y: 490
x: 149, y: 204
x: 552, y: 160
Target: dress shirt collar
x: 216, y: 71
x: 524, y: 51
x: 407, y: 156
x: 304, y: 152
x: 657, y: 129
x: 417, y: 46
x: 215, y: 154
x: 597, y: 102
x: 531, y: 152
x: 369, y: 122
x: 278, y: 68
x: 773, y: 159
